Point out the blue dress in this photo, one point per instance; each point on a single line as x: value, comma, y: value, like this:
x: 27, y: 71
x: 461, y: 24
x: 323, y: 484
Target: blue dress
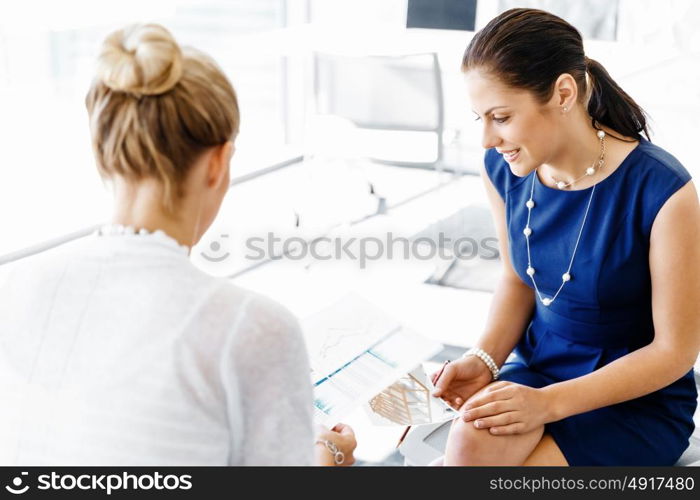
x: 604, y: 312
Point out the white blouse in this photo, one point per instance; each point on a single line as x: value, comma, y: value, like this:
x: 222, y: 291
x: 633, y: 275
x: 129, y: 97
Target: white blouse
x: 116, y: 350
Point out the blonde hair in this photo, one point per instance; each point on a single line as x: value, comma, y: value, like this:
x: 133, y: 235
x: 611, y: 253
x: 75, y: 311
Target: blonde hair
x: 155, y: 108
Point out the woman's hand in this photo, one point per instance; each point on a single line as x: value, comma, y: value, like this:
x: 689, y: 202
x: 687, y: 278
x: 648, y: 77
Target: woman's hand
x: 460, y: 380
x: 508, y: 408
x: 343, y: 437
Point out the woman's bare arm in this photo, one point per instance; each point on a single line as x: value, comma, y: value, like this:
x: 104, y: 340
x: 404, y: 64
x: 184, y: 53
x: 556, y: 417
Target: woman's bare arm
x: 674, y: 260
x: 513, y: 301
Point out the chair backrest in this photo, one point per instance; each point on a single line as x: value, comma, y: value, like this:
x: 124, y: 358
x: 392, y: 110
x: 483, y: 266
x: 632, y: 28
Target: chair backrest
x: 383, y: 93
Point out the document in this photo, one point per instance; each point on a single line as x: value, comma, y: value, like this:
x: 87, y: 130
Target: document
x: 409, y: 401
x: 356, y: 351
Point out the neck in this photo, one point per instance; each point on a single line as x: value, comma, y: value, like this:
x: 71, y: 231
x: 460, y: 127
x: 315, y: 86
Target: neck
x: 140, y: 205
x: 581, y: 149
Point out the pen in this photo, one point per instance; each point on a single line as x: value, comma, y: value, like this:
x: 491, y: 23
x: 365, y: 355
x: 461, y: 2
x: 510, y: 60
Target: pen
x: 408, y: 428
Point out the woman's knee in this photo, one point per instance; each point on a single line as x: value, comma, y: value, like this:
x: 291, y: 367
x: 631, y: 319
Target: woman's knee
x: 468, y: 439
x: 468, y: 445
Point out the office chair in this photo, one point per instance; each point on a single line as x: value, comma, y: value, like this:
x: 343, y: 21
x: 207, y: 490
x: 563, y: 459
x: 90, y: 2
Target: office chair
x: 394, y: 105
x: 399, y: 95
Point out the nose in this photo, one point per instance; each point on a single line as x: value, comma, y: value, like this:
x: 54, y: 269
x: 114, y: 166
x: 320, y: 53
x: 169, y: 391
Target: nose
x: 489, y: 139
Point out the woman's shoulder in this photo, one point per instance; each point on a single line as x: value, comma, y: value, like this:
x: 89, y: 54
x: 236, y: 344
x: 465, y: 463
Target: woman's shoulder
x: 659, y: 166
x: 236, y: 327
x: 656, y: 175
x: 38, y: 271
x: 258, y: 316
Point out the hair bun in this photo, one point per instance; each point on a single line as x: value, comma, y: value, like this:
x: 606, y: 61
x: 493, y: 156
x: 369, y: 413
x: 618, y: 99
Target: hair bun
x: 142, y: 59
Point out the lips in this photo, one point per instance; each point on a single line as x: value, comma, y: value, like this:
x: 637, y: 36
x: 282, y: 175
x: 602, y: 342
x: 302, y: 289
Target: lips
x: 510, y: 154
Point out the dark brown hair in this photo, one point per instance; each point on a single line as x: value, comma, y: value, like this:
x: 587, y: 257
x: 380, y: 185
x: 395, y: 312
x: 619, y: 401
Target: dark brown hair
x: 529, y: 49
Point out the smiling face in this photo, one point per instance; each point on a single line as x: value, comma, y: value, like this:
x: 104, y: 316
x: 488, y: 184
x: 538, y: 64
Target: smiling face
x: 527, y: 133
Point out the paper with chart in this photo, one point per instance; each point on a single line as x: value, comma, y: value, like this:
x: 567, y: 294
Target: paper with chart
x: 409, y: 401
x: 356, y: 350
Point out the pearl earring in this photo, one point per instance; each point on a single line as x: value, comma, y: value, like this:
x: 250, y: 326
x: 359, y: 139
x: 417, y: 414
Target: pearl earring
x: 566, y: 109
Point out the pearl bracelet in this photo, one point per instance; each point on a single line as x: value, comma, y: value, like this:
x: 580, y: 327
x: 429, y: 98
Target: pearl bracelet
x: 338, y: 456
x: 486, y: 358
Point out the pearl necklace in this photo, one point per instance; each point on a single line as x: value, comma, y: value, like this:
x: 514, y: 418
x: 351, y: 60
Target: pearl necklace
x: 566, y: 277
x: 122, y: 230
x: 596, y: 165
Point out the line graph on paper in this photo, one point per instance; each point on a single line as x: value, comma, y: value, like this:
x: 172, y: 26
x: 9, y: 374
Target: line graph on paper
x: 355, y: 351
x: 336, y: 337
x: 343, y: 331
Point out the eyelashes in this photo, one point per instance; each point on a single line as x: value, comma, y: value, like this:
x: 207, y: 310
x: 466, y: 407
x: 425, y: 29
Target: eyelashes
x: 497, y: 120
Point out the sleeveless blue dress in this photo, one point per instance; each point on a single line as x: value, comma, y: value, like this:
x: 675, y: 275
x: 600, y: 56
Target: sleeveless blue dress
x: 604, y: 312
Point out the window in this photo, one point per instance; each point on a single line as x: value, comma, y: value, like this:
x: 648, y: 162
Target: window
x: 49, y: 185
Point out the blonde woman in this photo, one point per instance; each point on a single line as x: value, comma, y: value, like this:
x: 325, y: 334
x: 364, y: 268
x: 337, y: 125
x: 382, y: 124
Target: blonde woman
x: 115, y: 349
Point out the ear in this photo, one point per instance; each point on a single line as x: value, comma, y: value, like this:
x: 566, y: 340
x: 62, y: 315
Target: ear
x: 218, y: 165
x: 565, y: 91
